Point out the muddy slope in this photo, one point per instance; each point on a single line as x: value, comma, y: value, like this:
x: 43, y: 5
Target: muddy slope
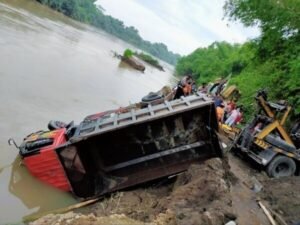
x: 201, y: 195
x: 283, y: 195
x: 211, y: 193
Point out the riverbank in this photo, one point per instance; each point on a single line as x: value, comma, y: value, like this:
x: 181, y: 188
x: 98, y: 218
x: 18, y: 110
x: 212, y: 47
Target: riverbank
x: 214, y: 192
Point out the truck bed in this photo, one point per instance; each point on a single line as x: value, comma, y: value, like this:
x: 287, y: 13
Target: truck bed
x: 122, y: 150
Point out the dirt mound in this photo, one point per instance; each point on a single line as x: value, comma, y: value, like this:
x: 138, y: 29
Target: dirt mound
x: 198, y: 196
x: 201, y: 195
x: 283, y: 195
x: 210, y: 193
x: 79, y: 219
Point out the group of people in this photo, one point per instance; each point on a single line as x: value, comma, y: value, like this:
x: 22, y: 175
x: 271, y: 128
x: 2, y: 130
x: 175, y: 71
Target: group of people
x: 185, y: 87
x: 228, y: 112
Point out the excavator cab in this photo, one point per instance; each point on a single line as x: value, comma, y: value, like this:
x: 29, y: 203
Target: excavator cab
x: 266, y: 141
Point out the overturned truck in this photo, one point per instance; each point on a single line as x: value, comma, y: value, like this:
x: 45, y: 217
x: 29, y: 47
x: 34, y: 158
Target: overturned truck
x: 110, y: 151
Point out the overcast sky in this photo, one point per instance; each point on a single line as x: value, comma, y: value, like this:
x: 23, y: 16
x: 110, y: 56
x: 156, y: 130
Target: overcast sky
x: 183, y: 25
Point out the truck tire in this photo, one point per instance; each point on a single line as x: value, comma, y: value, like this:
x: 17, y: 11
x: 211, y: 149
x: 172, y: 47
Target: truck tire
x: 281, y: 166
x: 55, y: 124
x: 151, y: 97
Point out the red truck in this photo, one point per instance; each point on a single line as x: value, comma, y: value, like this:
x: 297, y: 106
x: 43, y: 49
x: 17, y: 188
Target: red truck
x: 110, y: 151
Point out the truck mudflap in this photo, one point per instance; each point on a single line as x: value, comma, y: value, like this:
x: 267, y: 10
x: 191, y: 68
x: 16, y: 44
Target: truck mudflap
x: 108, y: 154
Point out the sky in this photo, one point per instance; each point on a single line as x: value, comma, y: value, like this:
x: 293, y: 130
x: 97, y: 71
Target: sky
x: 182, y: 25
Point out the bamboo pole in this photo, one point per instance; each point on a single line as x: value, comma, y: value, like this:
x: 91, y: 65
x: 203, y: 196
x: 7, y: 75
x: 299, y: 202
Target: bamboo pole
x: 36, y: 216
x: 267, y: 212
x: 278, y: 217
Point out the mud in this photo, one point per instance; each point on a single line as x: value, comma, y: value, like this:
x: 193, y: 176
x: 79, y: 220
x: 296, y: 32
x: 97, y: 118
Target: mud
x: 211, y: 193
x: 283, y: 195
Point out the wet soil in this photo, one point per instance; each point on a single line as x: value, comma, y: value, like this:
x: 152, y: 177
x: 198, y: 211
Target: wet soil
x: 283, y: 196
x: 211, y: 193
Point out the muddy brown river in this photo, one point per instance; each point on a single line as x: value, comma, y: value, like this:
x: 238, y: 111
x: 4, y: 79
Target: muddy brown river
x: 54, y: 68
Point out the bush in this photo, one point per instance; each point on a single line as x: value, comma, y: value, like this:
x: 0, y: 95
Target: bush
x: 127, y: 53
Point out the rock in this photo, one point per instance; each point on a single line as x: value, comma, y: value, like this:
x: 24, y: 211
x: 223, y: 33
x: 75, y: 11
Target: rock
x: 256, y: 185
x: 231, y: 223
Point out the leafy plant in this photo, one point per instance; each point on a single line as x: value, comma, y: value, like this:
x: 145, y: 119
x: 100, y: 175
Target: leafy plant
x: 127, y: 53
x: 149, y: 59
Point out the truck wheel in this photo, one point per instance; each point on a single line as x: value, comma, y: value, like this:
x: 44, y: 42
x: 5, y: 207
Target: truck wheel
x: 55, y: 124
x: 281, y: 166
x: 151, y: 97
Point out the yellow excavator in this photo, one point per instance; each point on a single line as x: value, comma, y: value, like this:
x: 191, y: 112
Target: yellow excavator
x: 266, y: 140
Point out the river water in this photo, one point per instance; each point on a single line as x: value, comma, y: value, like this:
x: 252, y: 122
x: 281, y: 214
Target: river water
x: 52, y: 67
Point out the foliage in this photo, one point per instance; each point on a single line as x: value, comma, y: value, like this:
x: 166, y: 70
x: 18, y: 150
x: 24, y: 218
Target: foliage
x: 272, y: 61
x: 278, y: 20
x: 87, y: 12
x: 278, y: 46
x: 127, y: 53
x: 149, y: 59
x: 217, y: 60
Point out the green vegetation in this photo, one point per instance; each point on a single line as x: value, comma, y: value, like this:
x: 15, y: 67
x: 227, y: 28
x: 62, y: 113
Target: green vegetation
x: 149, y: 59
x: 87, y: 12
x: 271, y: 61
x: 217, y: 60
x: 127, y: 53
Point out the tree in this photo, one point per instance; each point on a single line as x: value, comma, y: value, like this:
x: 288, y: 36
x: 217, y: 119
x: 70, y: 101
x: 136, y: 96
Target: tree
x: 279, y: 21
x: 86, y: 11
x: 277, y: 53
x: 220, y: 59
